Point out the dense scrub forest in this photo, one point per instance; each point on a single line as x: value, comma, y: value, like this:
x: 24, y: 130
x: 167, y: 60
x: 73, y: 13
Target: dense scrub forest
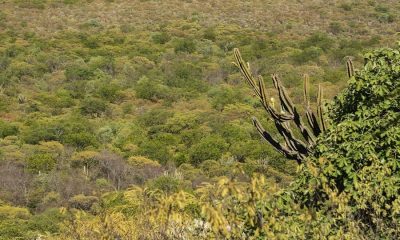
x: 141, y: 119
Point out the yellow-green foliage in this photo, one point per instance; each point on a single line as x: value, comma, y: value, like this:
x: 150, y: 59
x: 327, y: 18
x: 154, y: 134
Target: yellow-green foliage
x: 97, y: 96
x: 327, y: 200
x: 13, y: 212
x: 227, y: 209
x: 141, y: 162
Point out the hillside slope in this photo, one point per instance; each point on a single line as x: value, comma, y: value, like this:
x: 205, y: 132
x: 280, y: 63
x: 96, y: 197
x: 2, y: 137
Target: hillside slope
x: 98, y: 95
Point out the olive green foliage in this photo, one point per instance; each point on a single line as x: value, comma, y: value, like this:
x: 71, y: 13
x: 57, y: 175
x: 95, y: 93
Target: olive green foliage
x: 209, y: 148
x: 185, y: 45
x: 105, y: 104
x: 82, y: 202
x: 17, y: 222
x: 7, y: 129
x: 93, y: 107
x: 41, y: 163
x: 346, y: 189
x: 358, y: 157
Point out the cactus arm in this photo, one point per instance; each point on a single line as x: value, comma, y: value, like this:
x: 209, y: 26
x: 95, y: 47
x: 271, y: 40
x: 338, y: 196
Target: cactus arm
x: 278, y: 146
x: 311, y: 118
x: 350, y: 68
x: 292, y: 142
x: 245, y: 70
x: 288, y: 105
x: 320, y: 112
x: 292, y: 147
x: 264, y: 100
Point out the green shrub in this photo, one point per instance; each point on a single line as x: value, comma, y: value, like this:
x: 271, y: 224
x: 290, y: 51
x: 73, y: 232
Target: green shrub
x: 185, y: 75
x: 13, y: 223
x: 210, y: 34
x: 78, y: 71
x: 381, y: 8
x: 40, y: 131
x: 155, y: 149
x: 307, y: 55
x: 356, y: 160
x: 335, y: 27
x: 318, y: 40
x: 346, y: 6
x: 185, y: 45
x: 161, y: 38
x: 41, y: 162
x: 13, y: 212
x: 110, y: 92
x: 213, y: 168
x: 48, y: 221
x: 77, y: 89
x: 166, y: 184
x: 386, y: 18
x: 20, y: 70
x: 154, y: 117
x: 209, y: 148
x: 63, y: 99
x: 93, y: 106
x: 224, y: 95
x: 7, y: 129
x: 105, y: 64
x: 81, y: 140
x: 39, y: 4
x: 82, y: 202
x: 150, y: 89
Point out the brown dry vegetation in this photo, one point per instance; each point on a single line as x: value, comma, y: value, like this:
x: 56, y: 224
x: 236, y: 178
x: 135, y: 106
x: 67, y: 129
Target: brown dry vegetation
x: 290, y: 18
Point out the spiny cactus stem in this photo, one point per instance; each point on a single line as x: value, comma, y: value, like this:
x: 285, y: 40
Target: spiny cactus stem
x: 320, y: 108
x: 278, y: 146
x: 292, y: 148
x: 305, y: 90
x: 350, y: 68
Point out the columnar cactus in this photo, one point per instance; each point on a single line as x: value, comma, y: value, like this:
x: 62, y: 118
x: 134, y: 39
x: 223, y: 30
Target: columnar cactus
x: 293, y: 148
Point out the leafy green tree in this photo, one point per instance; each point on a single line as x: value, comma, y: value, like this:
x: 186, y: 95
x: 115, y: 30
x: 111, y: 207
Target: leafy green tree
x: 41, y: 162
x: 167, y: 184
x: 48, y: 221
x: 93, y: 107
x: 155, y: 149
x: 150, y: 89
x: 81, y: 140
x: 7, y: 129
x: 319, y: 40
x: 41, y: 131
x: 78, y: 70
x: 105, y: 64
x: 307, y: 55
x: 349, y: 182
x: 110, y: 92
x: 13, y: 222
x: 182, y: 74
x: 358, y: 157
x: 209, y: 148
x: 154, y: 117
x: 224, y: 95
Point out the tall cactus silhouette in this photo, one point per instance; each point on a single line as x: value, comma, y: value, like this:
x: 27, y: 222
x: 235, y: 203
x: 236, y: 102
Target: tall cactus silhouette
x: 292, y: 148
